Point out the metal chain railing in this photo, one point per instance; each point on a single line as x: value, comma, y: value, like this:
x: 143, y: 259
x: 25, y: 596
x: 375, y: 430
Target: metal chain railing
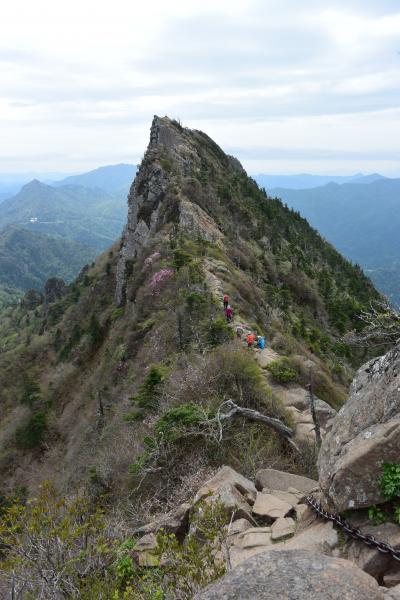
x: 354, y: 532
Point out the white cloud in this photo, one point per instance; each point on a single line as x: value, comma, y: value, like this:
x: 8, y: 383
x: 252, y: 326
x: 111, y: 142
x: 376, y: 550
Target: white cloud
x: 80, y: 81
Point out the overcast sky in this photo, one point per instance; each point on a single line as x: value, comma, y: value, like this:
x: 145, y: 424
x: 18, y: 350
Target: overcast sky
x: 288, y: 86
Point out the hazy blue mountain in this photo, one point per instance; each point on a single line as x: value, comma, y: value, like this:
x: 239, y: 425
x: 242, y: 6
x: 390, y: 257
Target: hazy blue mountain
x: 28, y: 259
x: 11, y: 183
x: 307, y: 181
x: 110, y: 178
x: 361, y: 220
x: 89, y: 216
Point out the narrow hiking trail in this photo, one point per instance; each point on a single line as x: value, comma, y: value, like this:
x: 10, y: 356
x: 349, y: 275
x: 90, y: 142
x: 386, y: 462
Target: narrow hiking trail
x: 295, y: 398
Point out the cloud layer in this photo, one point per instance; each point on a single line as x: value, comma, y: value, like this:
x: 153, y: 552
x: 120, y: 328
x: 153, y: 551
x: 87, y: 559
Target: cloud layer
x: 286, y: 85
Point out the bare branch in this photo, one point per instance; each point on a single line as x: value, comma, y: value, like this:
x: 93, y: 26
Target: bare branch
x: 233, y: 410
x: 381, y: 327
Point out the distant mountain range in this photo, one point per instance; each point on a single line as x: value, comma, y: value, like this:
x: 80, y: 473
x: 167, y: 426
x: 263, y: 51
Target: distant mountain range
x: 89, y: 216
x: 358, y: 214
x: 307, y: 181
x: 362, y: 220
x: 56, y: 229
x: 111, y: 178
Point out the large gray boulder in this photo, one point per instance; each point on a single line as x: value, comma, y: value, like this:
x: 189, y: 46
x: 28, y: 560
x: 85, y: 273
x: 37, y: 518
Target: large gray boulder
x: 294, y: 575
x: 280, y: 480
x: 364, y: 434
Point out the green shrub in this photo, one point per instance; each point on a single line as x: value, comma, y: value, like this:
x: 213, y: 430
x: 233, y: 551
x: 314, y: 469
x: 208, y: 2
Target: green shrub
x: 219, y: 332
x: 95, y: 331
x: 180, y: 258
x: 195, y: 302
x: 389, y: 483
x: 29, y: 436
x: 184, y: 415
x: 282, y: 370
x: 117, y: 313
x: 182, y: 569
x: 376, y: 515
x: 147, y: 396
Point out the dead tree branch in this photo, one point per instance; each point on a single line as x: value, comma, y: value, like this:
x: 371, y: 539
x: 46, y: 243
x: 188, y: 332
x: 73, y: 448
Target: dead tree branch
x: 381, y: 327
x: 230, y: 410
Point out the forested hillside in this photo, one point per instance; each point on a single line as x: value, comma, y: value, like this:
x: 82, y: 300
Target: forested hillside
x: 27, y: 260
x: 361, y: 220
x: 89, y: 216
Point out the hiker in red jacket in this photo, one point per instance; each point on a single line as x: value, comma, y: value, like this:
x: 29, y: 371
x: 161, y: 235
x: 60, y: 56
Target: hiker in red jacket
x: 226, y: 301
x: 229, y: 314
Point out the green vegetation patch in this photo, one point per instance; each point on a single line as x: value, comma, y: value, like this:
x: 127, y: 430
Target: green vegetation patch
x: 282, y: 370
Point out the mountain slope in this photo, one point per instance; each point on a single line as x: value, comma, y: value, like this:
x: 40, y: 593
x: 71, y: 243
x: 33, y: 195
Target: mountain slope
x: 124, y: 375
x: 110, y: 178
x: 89, y: 216
x: 306, y: 181
x: 362, y: 221
x: 27, y: 260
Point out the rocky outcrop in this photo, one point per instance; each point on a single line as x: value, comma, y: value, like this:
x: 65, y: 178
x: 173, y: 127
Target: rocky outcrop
x: 364, y: 434
x: 54, y: 289
x: 294, y: 575
x: 165, y: 186
x: 145, y: 197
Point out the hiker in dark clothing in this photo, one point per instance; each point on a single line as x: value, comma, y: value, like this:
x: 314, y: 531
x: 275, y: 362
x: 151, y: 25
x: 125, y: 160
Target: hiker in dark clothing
x: 229, y: 314
x: 226, y: 301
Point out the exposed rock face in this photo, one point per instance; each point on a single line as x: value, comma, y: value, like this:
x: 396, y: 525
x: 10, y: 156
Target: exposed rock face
x: 370, y: 559
x: 293, y: 575
x: 176, y: 522
x: 145, y: 197
x: 364, y: 434
x: 154, y: 200
x: 278, y: 480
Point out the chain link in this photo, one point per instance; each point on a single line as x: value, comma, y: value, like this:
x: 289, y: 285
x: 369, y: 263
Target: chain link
x: 354, y: 532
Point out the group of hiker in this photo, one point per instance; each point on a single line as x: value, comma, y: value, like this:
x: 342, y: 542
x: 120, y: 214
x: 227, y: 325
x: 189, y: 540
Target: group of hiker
x: 228, y: 310
x: 254, y: 340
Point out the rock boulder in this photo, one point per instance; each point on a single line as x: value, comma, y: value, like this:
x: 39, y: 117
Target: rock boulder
x: 293, y: 575
x: 365, y: 433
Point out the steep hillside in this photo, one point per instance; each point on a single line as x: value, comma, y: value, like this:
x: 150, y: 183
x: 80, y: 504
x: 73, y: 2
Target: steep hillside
x: 123, y: 375
x: 27, y: 259
x: 131, y: 386
x: 361, y: 221
x: 90, y: 216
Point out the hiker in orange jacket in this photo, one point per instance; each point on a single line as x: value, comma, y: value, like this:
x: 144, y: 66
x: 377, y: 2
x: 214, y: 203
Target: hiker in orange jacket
x: 251, y: 338
x: 226, y: 301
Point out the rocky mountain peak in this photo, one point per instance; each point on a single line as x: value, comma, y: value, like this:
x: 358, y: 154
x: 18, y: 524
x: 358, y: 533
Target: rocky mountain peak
x: 178, y: 164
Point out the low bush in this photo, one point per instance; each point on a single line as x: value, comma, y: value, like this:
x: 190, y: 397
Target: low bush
x: 180, y: 569
x: 30, y: 436
x: 389, y: 482
x: 282, y: 370
x: 219, y: 332
x: 180, y: 417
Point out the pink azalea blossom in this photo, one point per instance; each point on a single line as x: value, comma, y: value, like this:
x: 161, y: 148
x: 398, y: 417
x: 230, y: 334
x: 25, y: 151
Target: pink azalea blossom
x: 158, y: 280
